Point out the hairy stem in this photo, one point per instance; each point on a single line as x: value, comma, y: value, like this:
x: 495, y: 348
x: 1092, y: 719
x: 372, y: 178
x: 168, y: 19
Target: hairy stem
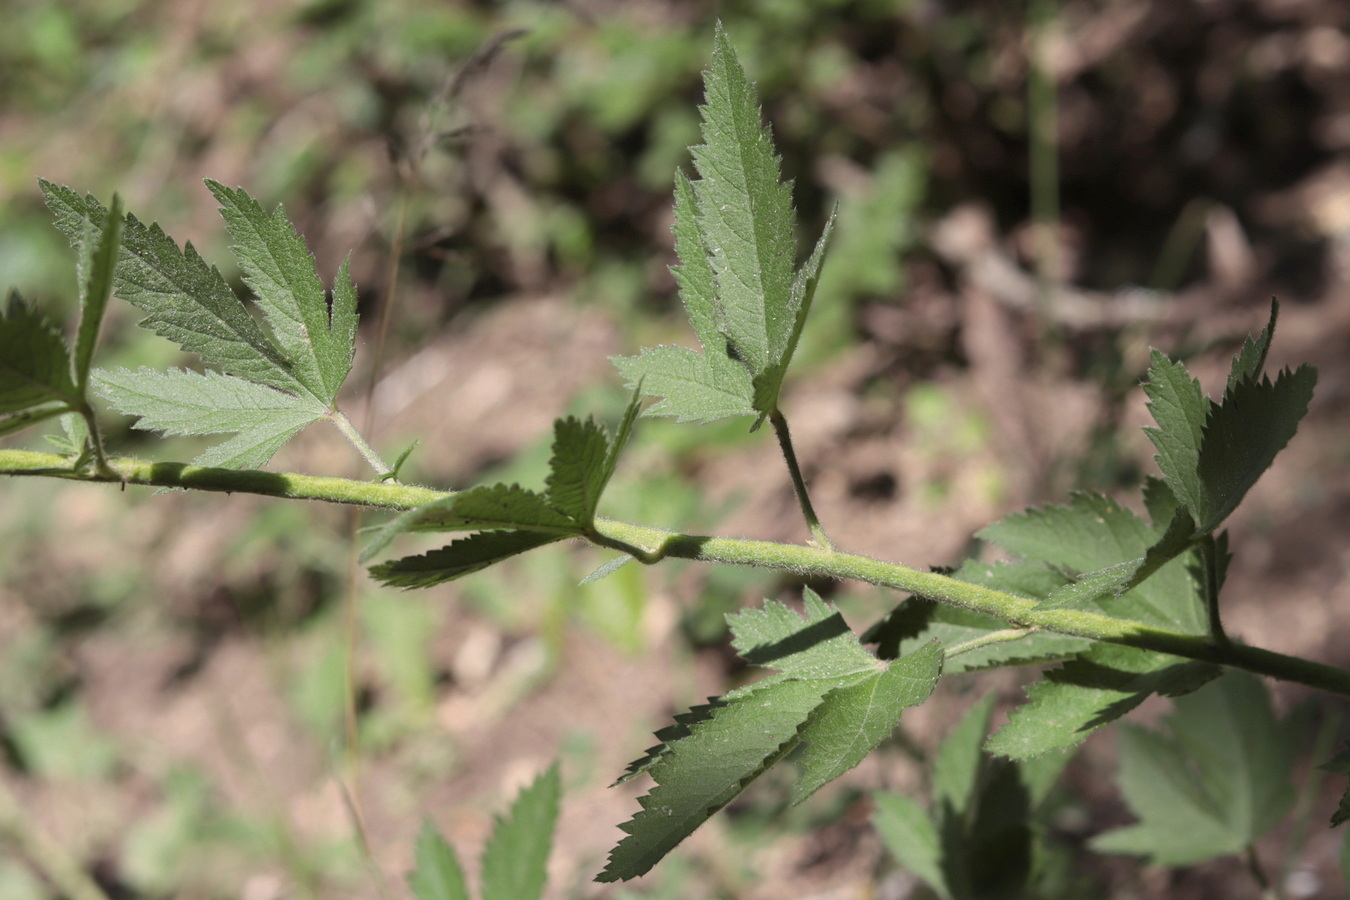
x: 349, y: 431
x: 653, y: 544
x: 780, y: 428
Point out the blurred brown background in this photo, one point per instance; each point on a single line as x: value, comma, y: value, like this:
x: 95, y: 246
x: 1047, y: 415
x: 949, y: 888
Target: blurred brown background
x: 1030, y: 196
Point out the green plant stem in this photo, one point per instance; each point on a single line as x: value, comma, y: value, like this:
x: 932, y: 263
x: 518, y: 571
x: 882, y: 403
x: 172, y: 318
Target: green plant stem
x: 653, y: 544
x: 780, y: 428
x: 1209, y: 561
x: 349, y: 431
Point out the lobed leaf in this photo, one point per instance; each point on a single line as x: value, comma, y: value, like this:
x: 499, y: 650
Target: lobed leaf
x: 318, y: 341
x: 744, y: 215
x: 186, y: 300
x: 734, y: 235
x: 1250, y: 361
x: 1216, y: 779
x: 829, y: 691
x: 1242, y: 436
x: 191, y: 403
x: 912, y: 838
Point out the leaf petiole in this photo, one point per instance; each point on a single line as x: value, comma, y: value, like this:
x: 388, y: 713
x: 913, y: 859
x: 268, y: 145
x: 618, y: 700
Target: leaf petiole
x: 780, y: 428
x: 344, y: 424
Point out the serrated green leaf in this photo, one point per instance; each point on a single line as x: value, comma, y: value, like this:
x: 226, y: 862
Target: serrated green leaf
x: 709, y: 767
x: 459, y: 558
x: 34, y: 362
x: 186, y: 300
x: 694, y: 387
x: 768, y: 384
x: 851, y: 721
x: 745, y: 215
x: 1250, y: 361
x: 1093, y: 535
x: 911, y: 838
x: 1216, y: 780
x: 191, y: 403
x: 484, y: 508
x: 1243, y: 435
x: 669, y: 735
x: 316, y: 339
x: 576, y: 471
x: 97, y: 263
x: 1180, y: 409
x: 515, y: 859
x: 438, y: 874
x: 710, y: 754
x: 1093, y: 690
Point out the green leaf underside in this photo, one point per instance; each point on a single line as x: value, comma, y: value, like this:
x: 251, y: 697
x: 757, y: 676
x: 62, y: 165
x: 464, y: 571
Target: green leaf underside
x: 186, y: 300
x: 96, y: 269
x: 694, y: 387
x: 459, y: 558
x: 279, y: 268
x: 744, y: 215
x: 1092, y: 535
x: 192, y: 403
x: 438, y: 874
x: 516, y: 856
x: 34, y: 361
x: 734, y: 235
x: 714, y: 751
x: 1093, y: 690
x: 1215, y: 780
